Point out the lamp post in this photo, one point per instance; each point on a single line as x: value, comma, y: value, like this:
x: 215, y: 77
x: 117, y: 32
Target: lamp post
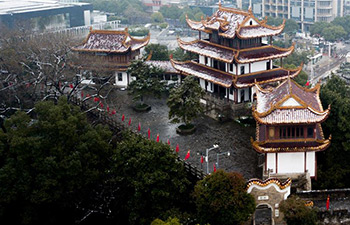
x: 207, y: 155
x: 217, y: 157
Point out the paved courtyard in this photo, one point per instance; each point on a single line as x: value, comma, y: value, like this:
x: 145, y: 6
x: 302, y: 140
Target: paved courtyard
x: 230, y: 136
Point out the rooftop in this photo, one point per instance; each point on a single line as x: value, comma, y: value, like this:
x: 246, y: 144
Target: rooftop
x: 266, y: 76
x: 230, y: 22
x: 204, y: 72
x: 226, y: 54
x: 111, y: 41
x: 23, y: 6
x: 164, y: 65
x: 289, y: 103
x: 293, y: 145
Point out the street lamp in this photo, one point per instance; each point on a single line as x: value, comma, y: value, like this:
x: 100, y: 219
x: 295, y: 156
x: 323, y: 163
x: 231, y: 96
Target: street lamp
x: 217, y: 157
x: 207, y: 155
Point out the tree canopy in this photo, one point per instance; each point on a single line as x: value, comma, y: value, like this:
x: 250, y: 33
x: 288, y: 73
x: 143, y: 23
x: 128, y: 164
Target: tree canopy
x: 58, y: 164
x: 147, y: 81
x: 295, y: 212
x: 150, y: 178
x: 174, y: 12
x: 50, y: 163
x: 338, y: 28
x: 157, y: 17
x: 333, y: 167
x: 184, y: 101
x: 158, y: 51
x: 221, y: 198
x: 181, y: 55
x: 291, y: 27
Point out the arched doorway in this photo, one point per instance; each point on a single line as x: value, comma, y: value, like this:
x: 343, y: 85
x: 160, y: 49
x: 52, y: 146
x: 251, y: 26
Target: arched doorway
x: 263, y: 215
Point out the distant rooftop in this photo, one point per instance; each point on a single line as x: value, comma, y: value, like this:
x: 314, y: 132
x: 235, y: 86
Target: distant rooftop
x: 23, y: 6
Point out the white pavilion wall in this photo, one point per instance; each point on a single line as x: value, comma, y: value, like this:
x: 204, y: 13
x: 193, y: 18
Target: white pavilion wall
x: 271, y: 162
x: 246, y: 68
x: 258, y: 66
x: 290, y: 162
x: 294, y: 162
x: 123, y: 82
x: 311, y: 163
x: 201, y: 59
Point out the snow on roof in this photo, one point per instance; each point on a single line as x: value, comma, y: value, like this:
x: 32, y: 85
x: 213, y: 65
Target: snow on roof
x: 165, y: 65
x: 271, y: 109
x: 208, y: 49
x: 229, y: 22
x: 258, y: 31
x: 293, y: 116
x: 266, y: 76
x: 111, y: 41
x: 206, y: 73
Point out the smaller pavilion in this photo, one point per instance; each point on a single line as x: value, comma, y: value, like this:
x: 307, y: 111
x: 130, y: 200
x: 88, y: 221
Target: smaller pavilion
x: 111, y: 50
x: 288, y: 130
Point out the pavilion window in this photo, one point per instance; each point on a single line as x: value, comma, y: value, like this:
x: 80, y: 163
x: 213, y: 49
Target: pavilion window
x: 271, y: 132
x: 291, y: 132
x: 205, y: 60
x: 231, y: 90
x: 242, y: 69
x: 216, y: 64
x: 231, y: 67
x: 268, y: 65
x: 310, y: 132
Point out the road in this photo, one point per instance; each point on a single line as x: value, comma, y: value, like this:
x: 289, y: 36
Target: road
x: 328, y: 65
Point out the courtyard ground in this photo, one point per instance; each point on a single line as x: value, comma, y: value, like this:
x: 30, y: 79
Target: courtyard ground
x: 230, y: 136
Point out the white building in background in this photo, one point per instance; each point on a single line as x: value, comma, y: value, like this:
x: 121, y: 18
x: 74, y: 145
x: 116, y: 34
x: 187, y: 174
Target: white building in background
x: 155, y: 5
x: 346, y: 7
x: 304, y: 12
x: 45, y: 14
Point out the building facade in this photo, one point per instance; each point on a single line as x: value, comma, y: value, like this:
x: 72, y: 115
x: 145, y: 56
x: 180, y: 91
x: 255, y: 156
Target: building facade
x: 113, y: 50
x: 288, y: 130
x: 237, y: 54
x: 304, y: 12
x: 346, y: 7
x: 73, y: 13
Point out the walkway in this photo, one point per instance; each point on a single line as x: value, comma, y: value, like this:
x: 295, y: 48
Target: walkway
x: 230, y: 136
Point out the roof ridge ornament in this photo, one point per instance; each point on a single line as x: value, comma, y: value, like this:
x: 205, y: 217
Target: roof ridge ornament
x: 250, y: 10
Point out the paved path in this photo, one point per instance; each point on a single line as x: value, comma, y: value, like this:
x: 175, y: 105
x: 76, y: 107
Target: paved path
x: 230, y: 136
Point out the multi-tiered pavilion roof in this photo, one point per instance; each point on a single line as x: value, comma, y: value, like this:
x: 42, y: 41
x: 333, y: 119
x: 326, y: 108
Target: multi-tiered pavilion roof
x: 235, y: 24
x: 289, y: 104
x: 231, y: 23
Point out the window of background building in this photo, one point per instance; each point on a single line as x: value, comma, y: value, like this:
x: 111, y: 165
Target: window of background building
x: 120, y: 77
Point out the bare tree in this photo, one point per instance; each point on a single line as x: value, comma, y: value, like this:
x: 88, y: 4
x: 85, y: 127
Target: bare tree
x: 41, y: 66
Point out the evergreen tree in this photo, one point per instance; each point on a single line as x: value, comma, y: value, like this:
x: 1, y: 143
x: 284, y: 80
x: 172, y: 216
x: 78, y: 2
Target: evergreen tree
x: 49, y: 164
x: 151, y: 180
x: 221, y: 198
x: 184, y: 101
x: 159, y: 52
x: 147, y: 81
x: 333, y: 164
x: 296, y: 213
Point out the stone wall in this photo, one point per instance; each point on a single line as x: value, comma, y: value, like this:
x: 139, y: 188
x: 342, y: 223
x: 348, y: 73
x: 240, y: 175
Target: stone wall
x: 339, y: 204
